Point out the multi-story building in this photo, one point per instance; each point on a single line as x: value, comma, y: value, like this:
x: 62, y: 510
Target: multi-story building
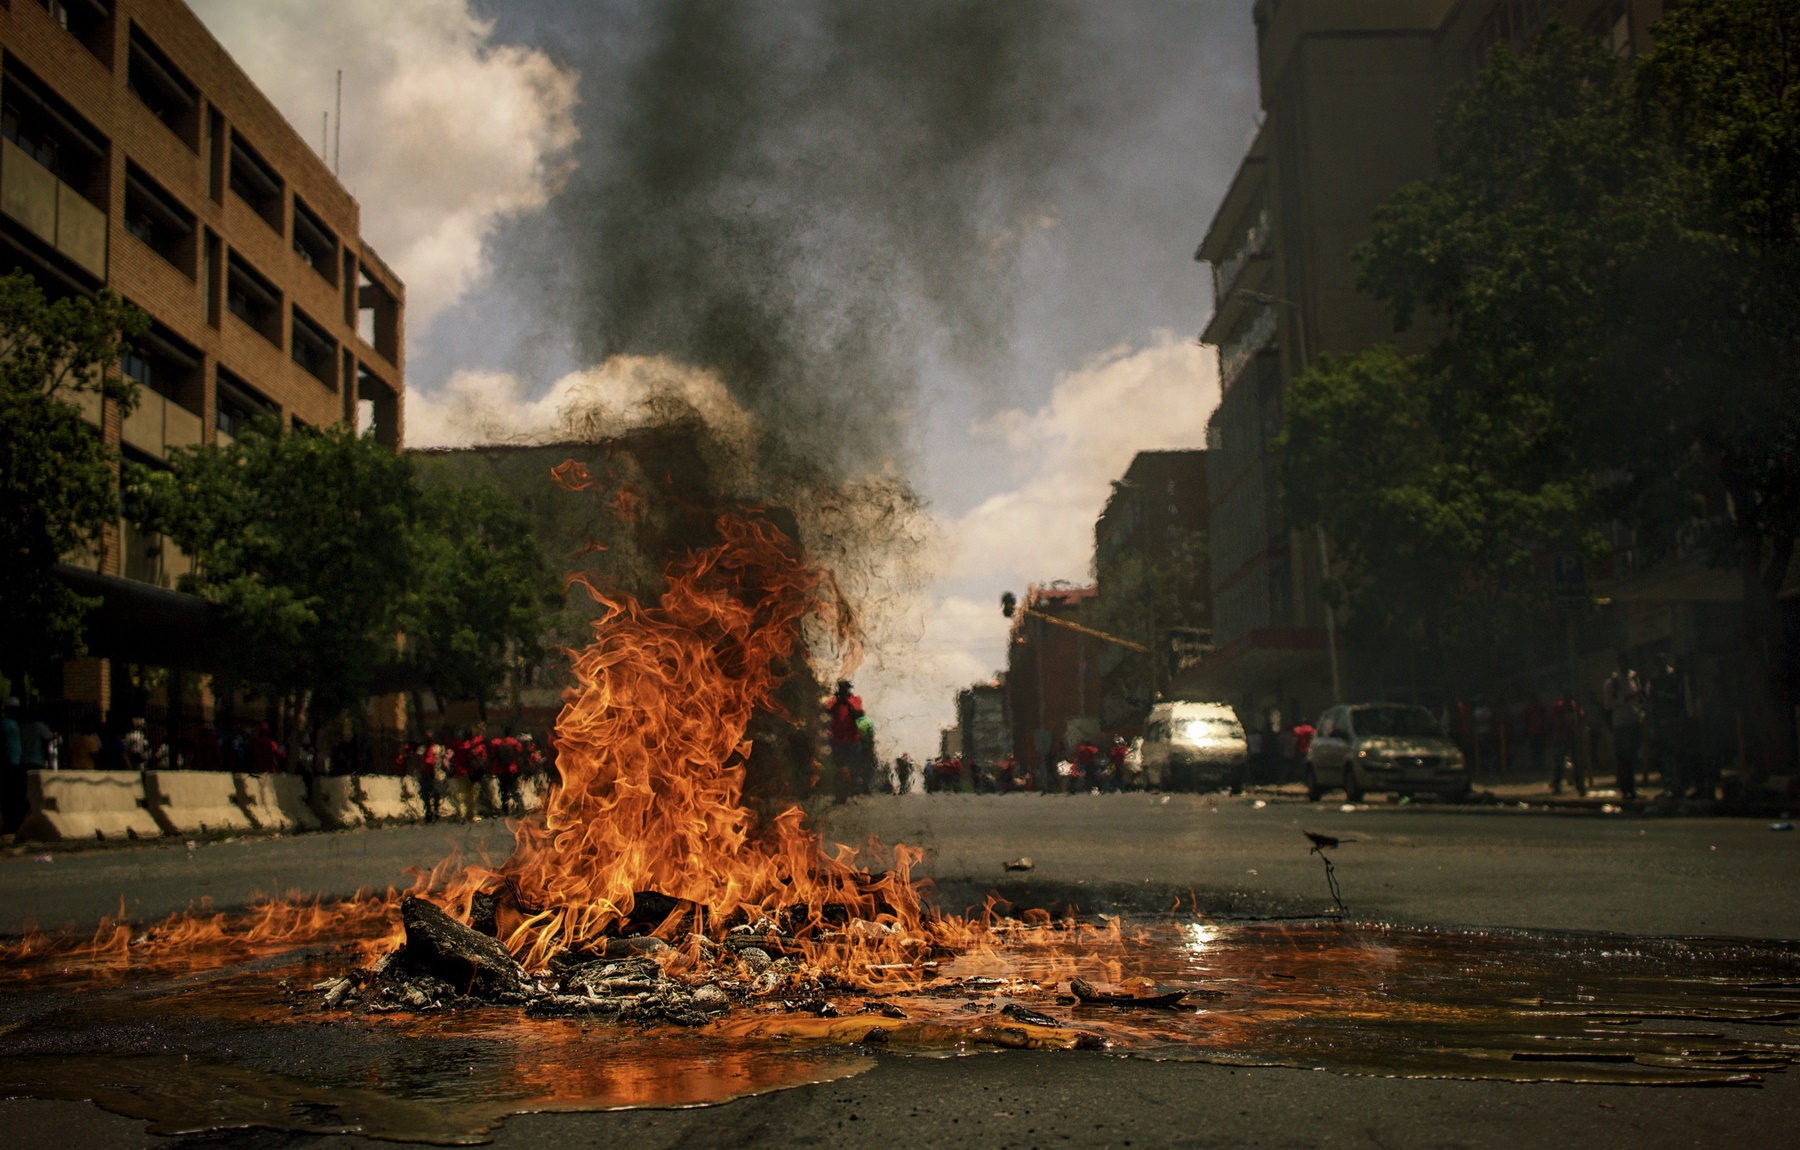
x: 1349, y: 91
x: 1053, y: 675
x: 137, y: 156
x: 1153, y: 579
x: 983, y: 735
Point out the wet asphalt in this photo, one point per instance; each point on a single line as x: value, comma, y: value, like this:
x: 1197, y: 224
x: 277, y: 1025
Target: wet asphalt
x: 1472, y: 866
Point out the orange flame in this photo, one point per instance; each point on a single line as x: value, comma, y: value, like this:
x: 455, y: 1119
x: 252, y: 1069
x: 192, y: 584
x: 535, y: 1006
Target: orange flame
x: 651, y: 749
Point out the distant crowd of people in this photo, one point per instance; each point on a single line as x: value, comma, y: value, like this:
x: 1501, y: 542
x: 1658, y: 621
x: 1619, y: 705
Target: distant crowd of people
x: 460, y: 765
x: 452, y: 768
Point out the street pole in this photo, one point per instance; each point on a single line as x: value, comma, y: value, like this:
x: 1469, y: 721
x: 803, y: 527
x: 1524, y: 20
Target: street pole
x: 1337, y: 687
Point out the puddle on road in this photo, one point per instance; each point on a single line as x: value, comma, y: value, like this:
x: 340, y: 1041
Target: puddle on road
x: 237, y: 1046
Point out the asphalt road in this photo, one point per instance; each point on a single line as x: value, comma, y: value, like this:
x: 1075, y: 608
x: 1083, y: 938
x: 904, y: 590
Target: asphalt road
x: 1496, y: 867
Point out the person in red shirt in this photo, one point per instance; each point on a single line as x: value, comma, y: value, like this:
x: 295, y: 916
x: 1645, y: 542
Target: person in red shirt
x: 266, y: 755
x: 1087, y: 765
x: 846, y: 741
x: 504, y: 754
x: 1118, y: 753
x: 1303, y: 739
x: 465, y: 775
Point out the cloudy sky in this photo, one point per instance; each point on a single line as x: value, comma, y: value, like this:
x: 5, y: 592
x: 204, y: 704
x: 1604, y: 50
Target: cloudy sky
x: 946, y: 239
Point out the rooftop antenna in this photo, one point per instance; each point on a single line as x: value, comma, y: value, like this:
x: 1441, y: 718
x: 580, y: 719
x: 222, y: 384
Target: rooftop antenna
x: 324, y: 135
x: 337, y: 143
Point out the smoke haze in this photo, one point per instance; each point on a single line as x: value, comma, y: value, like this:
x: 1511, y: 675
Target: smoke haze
x: 812, y: 199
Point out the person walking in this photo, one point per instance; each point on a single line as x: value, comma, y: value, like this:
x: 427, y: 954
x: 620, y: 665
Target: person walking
x: 1116, y: 755
x: 1622, y: 698
x: 266, y: 755
x: 504, y: 754
x: 843, y: 710
x: 1566, y: 752
x: 463, y: 776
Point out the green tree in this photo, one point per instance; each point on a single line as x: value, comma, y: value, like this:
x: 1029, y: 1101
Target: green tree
x: 1434, y: 516
x: 481, y: 587
x: 58, y: 488
x: 306, y: 540
x: 1610, y: 248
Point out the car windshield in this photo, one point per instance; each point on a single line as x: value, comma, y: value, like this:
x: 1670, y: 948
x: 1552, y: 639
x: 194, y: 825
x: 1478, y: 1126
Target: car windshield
x: 1196, y: 730
x: 1405, y: 722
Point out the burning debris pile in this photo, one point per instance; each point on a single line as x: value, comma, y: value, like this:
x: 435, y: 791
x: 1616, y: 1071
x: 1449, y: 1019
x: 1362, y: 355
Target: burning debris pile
x: 620, y: 978
x: 648, y: 889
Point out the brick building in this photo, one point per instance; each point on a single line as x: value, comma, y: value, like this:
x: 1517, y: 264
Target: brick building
x: 138, y: 156
x: 1053, y: 676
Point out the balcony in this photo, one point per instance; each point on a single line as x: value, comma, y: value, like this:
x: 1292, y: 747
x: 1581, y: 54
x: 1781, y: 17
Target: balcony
x: 1255, y: 243
x: 52, y: 210
x: 1236, y: 353
x: 158, y: 424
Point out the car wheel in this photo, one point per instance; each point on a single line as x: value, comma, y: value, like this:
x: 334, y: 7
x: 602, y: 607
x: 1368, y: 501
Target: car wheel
x: 1353, y: 791
x: 1458, y: 794
x: 1314, y: 792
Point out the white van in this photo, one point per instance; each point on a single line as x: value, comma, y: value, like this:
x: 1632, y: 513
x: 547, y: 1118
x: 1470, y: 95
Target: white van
x: 1194, y: 747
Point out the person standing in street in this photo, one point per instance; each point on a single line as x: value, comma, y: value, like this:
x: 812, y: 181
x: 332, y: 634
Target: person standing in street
x: 1566, y: 752
x: 1622, y: 698
x: 504, y: 754
x: 844, y: 709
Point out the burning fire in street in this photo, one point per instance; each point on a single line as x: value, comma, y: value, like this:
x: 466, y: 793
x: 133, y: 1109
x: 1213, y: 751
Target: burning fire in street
x: 733, y: 951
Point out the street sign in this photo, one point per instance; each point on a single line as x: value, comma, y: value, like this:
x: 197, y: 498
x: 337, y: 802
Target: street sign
x: 1568, y: 577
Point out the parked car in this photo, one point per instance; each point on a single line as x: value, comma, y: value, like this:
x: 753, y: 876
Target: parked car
x: 1193, y: 747
x: 1394, y: 747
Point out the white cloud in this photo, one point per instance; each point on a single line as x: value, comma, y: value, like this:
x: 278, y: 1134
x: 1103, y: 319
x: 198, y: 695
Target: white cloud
x: 445, y: 132
x: 1068, y: 451
x: 477, y: 407
x: 1064, y: 456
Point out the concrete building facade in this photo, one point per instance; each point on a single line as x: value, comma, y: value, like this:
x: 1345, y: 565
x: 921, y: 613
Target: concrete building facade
x: 1153, y: 580
x: 1350, y: 91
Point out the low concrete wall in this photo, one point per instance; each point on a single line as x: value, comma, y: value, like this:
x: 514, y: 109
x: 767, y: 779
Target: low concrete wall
x: 129, y: 804
x: 87, y: 805
x: 334, y: 798
x: 194, y: 802
x: 390, y: 798
x: 276, y: 802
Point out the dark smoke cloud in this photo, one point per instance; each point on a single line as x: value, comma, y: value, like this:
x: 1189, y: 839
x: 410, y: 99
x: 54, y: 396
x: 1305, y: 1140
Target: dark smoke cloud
x: 812, y: 198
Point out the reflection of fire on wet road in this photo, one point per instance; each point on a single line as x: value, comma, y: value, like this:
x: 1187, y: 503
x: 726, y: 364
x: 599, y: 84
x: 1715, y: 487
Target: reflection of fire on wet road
x: 249, y: 1044
x: 649, y: 893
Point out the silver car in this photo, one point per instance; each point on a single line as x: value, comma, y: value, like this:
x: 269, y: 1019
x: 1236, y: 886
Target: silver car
x: 1394, y: 747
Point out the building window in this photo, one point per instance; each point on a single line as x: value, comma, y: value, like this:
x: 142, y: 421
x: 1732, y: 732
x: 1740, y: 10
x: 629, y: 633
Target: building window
x: 162, y: 362
x: 252, y: 298
x: 89, y: 21
x: 314, y: 243
x: 52, y: 133
x: 378, y: 317
x: 237, y: 405
x: 161, y: 87
x: 256, y: 183
x: 159, y: 220
x: 314, y: 349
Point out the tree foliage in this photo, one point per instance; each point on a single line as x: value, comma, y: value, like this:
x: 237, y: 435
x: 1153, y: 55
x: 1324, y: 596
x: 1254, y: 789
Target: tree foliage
x: 58, y: 490
x: 305, y: 539
x: 476, y: 609
x: 1610, y: 250
x: 324, y: 551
